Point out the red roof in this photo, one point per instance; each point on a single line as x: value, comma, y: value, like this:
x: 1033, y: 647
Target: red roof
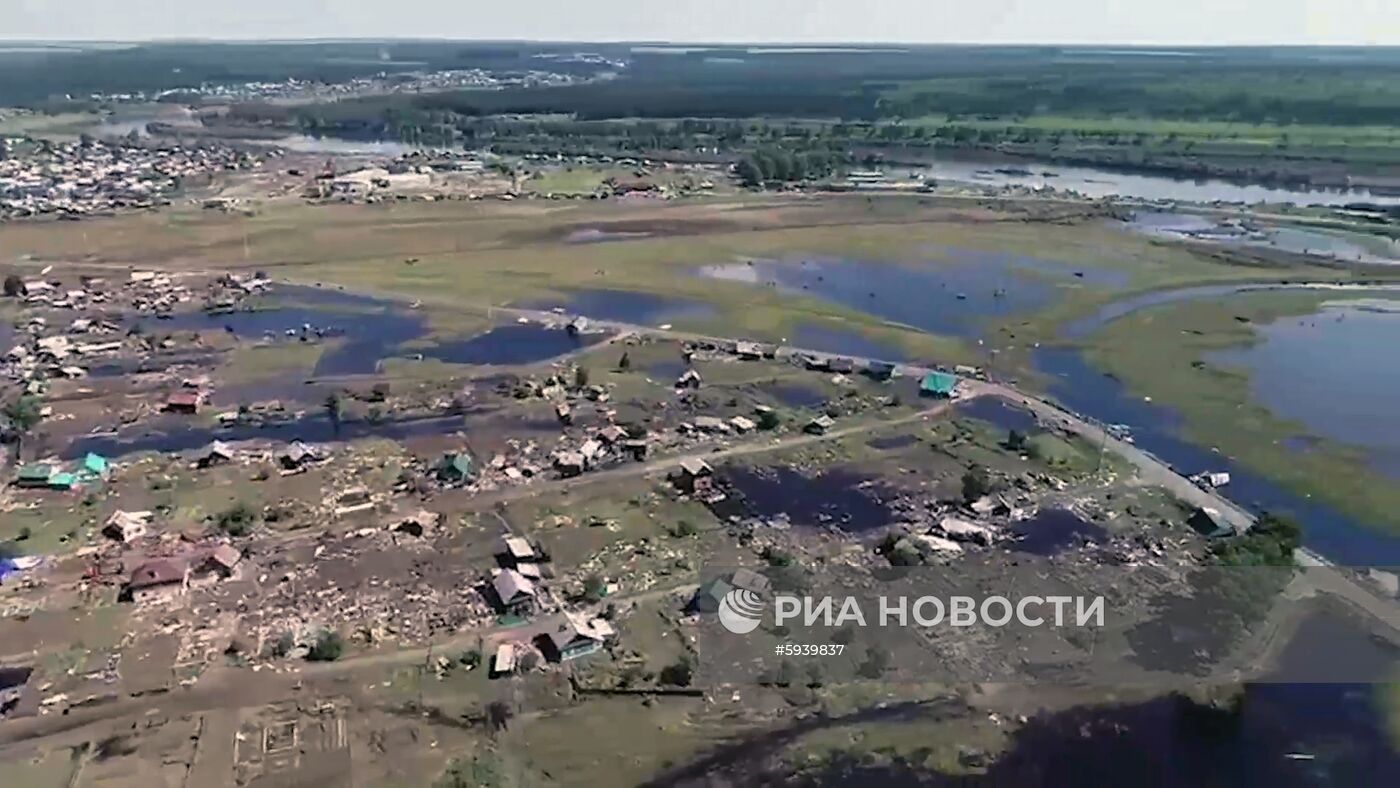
x: 159, y: 572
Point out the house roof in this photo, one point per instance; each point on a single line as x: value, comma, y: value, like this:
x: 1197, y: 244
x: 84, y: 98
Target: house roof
x: 574, y: 627
x: 224, y: 555
x: 749, y: 580
x: 695, y: 466
x: 505, y: 658
x: 95, y: 463
x: 938, y: 383
x: 157, y: 572
x: 517, y: 547
x: 36, y: 472
x: 510, y: 585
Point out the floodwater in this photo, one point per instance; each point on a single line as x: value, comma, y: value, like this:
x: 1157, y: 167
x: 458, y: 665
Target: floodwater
x: 1053, y: 531
x: 1340, y: 537
x: 625, y: 306
x: 796, y: 395
x: 952, y: 297
x: 1000, y: 413
x: 337, y: 146
x: 1099, y: 183
x: 1330, y: 373
x: 369, y: 330
x: 176, y: 434
x: 836, y: 497
x: 1298, y: 240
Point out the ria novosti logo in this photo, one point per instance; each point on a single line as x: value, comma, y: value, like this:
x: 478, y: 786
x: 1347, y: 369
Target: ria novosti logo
x: 741, y: 611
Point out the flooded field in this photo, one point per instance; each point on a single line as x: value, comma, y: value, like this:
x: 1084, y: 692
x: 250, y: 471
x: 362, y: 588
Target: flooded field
x: 172, y: 434
x: 370, y: 330
x: 998, y: 412
x: 1298, y: 240
x: 1326, y: 372
x: 626, y: 306
x: 954, y: 298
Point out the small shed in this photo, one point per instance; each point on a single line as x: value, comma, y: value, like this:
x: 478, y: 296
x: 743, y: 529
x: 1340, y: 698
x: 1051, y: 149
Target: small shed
x: 127, y: 526
x: 576, y: 636
x: 612, y: 434
x: 503, y: 662
x: 35, y: 475
x: 515, y: 550
x: 156, y: 579
x: 95, y: 465
x: 820, y: 425
x: 184, y: 401
x: 938, y: 384
x: 515, y: 593
x: 690, y: 379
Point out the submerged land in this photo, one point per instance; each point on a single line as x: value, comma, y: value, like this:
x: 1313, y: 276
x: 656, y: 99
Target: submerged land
x: 422, y: 464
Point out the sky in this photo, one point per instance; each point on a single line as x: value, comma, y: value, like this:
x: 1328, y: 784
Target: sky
x: 1162, y: 22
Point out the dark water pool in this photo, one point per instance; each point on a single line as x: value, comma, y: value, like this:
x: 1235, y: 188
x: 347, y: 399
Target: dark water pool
x: 1298, y: 240
x: 370, y: 330
x: 1053, y: 531
x: 625, y: 306
x: 833, y: 497
x: 170, y: 434
x: 1000, y: 413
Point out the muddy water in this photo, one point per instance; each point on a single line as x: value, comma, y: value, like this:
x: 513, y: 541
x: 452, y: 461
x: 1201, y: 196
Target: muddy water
x: 999, y: 413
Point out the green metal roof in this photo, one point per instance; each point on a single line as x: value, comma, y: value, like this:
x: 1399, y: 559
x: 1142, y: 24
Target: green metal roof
x: 32, y: 472
x: 938, y: 383
x: 456, y: 464
x: 95, y: 463
x: 63, y: 480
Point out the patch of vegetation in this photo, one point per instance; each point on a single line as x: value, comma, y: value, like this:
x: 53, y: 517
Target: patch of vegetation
x: 237, y: 520
x: 328, y: 647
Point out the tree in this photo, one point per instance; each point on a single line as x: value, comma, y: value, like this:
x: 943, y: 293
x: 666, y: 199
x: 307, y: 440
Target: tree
x: 678, y: 674
x: 327, y: 648
x: 1016, y: 441
x: 527, y: 661
x: 815, y: 678
x: 237, y: 520
x: 787, y: 674
x: 877, y: 661
x: 284, y: 644
x: 749, y: 172
x: 14, y: 286
x: 581, y: 377
x: 334, y: 410
x: 624, y: 363
x: 975, y: 483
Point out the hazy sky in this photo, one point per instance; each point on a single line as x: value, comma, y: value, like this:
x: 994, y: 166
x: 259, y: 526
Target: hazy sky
x: 970, y: 21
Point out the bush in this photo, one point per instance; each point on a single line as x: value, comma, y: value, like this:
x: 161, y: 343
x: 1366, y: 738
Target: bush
x: 594, y: 587
x: 975, y: 483
x: 237, y: 520
x: 685, y: 528
x: 327, y: 648
x: 678, y: 674
x: 471, y: 659
x: 284, y: 644
x: 877, y: 661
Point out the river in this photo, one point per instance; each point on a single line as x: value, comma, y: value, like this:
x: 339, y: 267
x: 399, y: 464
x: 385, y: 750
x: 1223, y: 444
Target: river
x: 1100, y: 183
